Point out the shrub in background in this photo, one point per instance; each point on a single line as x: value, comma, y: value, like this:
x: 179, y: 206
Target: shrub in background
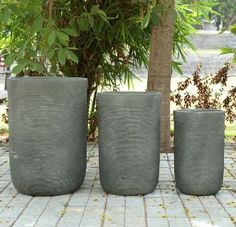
x: 209, y: 91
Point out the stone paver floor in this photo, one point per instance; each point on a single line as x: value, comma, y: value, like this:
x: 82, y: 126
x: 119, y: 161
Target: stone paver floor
x: 91, y: 206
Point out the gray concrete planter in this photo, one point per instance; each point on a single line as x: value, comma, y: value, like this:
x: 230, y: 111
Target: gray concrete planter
x: 48, y: 129
x: 199, y: 151
x: 129, y: 141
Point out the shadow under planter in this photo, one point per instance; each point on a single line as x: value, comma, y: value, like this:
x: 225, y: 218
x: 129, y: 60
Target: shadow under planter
x: 129, y: 141
x: 48, y: 129
x: 199, y: 151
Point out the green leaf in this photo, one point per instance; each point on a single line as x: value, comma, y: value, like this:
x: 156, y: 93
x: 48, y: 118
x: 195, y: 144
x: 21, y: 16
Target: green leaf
x: 72, y: 56
x: 25, y: 3
x: 226, y: 50
x: 51, y: 38
x: 18, y: 68
x: 37, y: 24
x: 63, y: 38
x: 16, y: 10
x: 94, y: 10
x: 177, y: 67
x: 84, y: 24
x: 39, y: 67
x: 70, y: 32
x: 146, y: 20
x: 5, y: 15
x: 91, y: 20
x: 62, y: 35
x: 33, y: 67
x: 50, y: 54
x: 62, y: 57
x: 10, y: 59
x: 233, y: 29
x: 100, y: 25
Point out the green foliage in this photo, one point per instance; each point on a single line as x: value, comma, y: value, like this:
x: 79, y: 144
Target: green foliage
x: 230, y: 50
x: 27, y: 27
x: 227, y: 11
x: 100, y: 40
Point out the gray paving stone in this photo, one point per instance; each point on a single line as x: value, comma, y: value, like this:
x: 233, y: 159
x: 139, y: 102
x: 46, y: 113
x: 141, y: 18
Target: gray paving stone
x: 200, y: 222
x: 72, y: 217
x: 156, y: 193
x: 149, y: 201
x: 135, y: 221
x: 92, y: 217
x: 14, y: 209
x: 224, y: 194
x: 32, y: 212
x: 114, y: 216
x: 4, y: 184
x: 54, y: 211
x: 80, y: 198
x: 134, y: 212
x: 96, y: 200
x: 192, y: 201
x: 158, y: 211
x: 231, y: 212
x: 91, y: 206
x: 115, y: 201
x: 222, y: 222
x: 197, y: 212
x: 134, y: 201
x: 155, y: 222
x: 179, y: 222
x: 216, y: 212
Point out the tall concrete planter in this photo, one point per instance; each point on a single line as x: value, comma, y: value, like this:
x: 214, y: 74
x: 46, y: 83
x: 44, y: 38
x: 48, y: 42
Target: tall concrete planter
x: 48, y: 127
x: 199, y: 151
x: 129, y: 141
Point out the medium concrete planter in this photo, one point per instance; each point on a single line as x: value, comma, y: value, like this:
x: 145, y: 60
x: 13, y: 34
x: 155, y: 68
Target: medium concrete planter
x: 199, y: 151
x: 129, y: 141
x: 48, y: 128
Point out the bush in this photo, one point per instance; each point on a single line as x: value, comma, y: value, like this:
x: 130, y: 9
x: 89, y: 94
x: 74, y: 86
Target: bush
x: 209, y: 91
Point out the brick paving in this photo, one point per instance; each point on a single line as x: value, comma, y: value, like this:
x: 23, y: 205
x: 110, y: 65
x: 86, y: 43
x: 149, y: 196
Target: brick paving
x: 91, y: 206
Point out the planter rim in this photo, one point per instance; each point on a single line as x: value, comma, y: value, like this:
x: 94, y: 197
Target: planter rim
x: 47, y: 78
x: 128, y: 93
x: 198, y: 111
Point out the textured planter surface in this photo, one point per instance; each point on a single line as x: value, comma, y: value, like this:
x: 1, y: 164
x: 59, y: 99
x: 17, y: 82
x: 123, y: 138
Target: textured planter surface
x: 199, y: 151
x: 129, y: 141
x: 48, y: 127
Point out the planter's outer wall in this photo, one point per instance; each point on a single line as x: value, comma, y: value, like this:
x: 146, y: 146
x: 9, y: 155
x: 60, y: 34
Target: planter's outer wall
x: 48, y: 129
x: 199, y: 151
x: 129, y: 141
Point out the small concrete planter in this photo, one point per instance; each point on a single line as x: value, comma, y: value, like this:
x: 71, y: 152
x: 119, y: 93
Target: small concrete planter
x: 129, y: 141
x: 199, y: 151
x: 48, y: 129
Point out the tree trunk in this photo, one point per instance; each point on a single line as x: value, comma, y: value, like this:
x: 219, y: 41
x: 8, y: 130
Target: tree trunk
x: 159, y: 74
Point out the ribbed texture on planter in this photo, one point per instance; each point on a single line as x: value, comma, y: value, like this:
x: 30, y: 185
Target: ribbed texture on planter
x: 48, y: 127
x: 199, y: 151
x: 129, y: 141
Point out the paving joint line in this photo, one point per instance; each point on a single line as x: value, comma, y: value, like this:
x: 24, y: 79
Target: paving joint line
x: 104, y: 212
x: 145, y: 211
x: 64, y: 210
x: 42, y: 211
x: 22, y: 211
x: 177, y: 191
x: 2, y: 190
x: 231, y: 217
x: 88, y: 199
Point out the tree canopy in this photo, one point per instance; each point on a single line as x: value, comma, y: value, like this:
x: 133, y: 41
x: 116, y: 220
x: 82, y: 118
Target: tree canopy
x: 100, y: 40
